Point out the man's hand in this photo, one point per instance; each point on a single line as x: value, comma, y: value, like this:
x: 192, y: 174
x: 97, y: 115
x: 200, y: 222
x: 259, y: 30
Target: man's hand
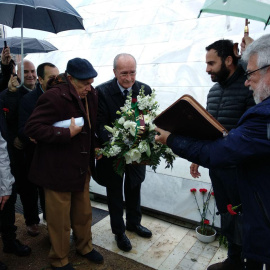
x: 194, y: 170
x: 5, y: 56
x: 245, y: 42
x: 18, y: 144
x: 33, y: 140
x: 97, y: 155
x: 3, y: 200
x: 13, y: 83
x: 162, y: 138
x: 74, y: 130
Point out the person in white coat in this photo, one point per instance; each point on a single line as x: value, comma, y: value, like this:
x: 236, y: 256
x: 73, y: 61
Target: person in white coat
x: 6, y: 180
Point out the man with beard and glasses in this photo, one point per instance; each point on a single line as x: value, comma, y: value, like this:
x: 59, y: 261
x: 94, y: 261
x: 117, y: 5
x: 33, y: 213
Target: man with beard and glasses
x: 227, y: 100
x: 247, y: 147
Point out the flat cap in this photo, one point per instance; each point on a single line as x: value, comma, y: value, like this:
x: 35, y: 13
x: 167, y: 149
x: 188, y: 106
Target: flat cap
x: 81, y: 69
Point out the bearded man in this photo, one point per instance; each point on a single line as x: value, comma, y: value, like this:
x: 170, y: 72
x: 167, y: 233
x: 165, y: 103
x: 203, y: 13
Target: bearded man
x: 246, y: 147
x: 227, y: 100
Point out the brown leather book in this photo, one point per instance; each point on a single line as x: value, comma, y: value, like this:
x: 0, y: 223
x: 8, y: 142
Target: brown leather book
x: 187, y: 117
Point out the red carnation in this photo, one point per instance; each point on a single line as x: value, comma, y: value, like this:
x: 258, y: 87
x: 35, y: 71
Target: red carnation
x: 193, y: 190
x: 134, y: 100
x: 203, y: 190
x: 230, y: 209
x: 5, y: 109
x: 206, y: 221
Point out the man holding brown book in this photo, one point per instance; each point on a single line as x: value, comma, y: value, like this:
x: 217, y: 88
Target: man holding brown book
x: 246, y: 147
x: 227, y: 100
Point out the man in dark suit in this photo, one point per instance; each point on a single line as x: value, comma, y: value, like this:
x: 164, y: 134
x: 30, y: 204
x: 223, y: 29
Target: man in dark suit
x: 112, y: 96
x: 45, y: 72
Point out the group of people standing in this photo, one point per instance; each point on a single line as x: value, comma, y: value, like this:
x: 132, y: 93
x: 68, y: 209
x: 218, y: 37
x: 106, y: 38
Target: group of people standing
x: 56, y: 163
x: 60, y: 161
x: 238, y: 163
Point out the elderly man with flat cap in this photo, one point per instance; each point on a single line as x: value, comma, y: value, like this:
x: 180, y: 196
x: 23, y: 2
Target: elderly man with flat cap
x: 64, y: 159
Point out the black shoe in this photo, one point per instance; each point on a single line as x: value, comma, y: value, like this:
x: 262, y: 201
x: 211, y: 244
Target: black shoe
x: 94, y: 256
x: 228, y: 264
x: 17, y: 248
x: 66, y: 267
x: 140, y: 230
x: 33, y: 230
x: 123, y: 242
x: 3, y: 266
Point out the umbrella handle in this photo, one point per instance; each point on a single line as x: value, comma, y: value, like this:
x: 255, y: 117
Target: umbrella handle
x: 22, y: 66
x: 22, y: 75
x: 246, y: 31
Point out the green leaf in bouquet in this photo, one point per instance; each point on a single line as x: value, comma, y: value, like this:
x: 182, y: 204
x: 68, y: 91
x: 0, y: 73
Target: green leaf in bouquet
x: 148, y: 151
x: 119, y: 166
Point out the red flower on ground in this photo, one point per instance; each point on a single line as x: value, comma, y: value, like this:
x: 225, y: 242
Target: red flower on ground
x: 230, y: 209
x: 193, y: 190
x: 203, y: 190
x: 206, y: 221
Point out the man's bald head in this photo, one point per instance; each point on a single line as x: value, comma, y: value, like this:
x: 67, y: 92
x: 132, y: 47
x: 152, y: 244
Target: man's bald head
x: 30, y: 75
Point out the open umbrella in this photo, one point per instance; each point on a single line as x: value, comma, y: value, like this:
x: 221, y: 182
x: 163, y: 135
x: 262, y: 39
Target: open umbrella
x: 47, y: 15
x: 31, y: 45
x: 258, y: 10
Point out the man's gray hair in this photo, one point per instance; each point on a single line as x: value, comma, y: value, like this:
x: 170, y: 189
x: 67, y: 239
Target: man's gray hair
x: 120, y: 55
x: 261, y: 48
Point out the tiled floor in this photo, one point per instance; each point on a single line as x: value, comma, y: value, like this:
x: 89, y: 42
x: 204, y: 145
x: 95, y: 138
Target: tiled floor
x: 172, y: 247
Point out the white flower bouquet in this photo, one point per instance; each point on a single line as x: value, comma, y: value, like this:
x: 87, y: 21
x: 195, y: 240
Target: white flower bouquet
x: 133, y: 135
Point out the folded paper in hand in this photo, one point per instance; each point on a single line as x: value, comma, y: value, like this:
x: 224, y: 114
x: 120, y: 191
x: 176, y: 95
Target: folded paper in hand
x: 79, y: 121
x: 187, y: 117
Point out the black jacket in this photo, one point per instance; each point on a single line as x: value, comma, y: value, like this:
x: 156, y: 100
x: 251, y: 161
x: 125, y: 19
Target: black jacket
x: 228, y: 101
x: 26, y: 107
x: 11, y: 101
x: 110, y: 99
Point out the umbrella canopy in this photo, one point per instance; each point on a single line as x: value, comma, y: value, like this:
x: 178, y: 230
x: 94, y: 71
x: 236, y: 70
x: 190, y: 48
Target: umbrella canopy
x: 31, y: 45
x: 258, y: 10
x: 47, y: 15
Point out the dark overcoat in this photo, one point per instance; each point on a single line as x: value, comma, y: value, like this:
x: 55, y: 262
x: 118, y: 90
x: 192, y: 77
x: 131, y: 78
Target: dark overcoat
x: 110, y: 100
x: 247, y: 147
x: 60, y: 162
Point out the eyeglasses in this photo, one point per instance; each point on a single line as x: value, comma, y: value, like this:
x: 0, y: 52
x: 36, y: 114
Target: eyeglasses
x: 125, y: 74
x: 248, y: 73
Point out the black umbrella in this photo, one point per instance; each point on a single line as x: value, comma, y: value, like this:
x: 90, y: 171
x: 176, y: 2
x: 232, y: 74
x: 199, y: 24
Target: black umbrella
x: 30, y: 45
x: 47, y: 15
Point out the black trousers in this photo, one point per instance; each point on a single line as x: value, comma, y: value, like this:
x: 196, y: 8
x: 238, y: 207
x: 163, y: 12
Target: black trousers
x: 29, y: 192
x: 7, y: 219
x: 132, y: 193
x: 224, y: 181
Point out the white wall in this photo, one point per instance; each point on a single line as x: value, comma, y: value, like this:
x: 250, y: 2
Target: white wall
x: 169, y: 43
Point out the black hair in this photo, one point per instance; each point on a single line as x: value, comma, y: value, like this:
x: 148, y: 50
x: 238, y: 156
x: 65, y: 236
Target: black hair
x: 41, y: 68
x: 224, y: 48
